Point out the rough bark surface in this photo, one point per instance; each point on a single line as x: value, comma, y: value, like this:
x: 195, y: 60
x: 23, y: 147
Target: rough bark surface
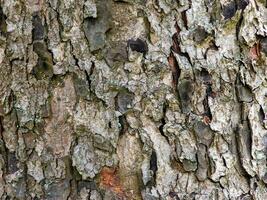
x: 133, y: 99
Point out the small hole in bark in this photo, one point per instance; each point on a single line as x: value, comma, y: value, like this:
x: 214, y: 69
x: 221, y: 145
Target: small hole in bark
x: 138, y: 45
x: 205, y: 76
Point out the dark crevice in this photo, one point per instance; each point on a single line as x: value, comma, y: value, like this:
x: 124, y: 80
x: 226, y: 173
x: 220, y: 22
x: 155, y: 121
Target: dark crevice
x: 197, y: 160
x: 207, y: 80
x: 109, y: 125
x: 3, y: 149
x: 249, y: 138
x: 88, y: 75
x: 161, y: 127
x: 205, y: 76
x: 216, y: 182
x: 153, y: 168
x: 71, y: 176
x: 207, y: 111
x: 76, y: 60
x: 3, y: 25
x: 185, y: 54
x: 209, y: 91
x: 183, y: 13
x: 9, y: 103
x: 60, y: 23
x: 123, y: 2
x: 49, y: 51
x: 236, y: 140
x: 163, y: 122
x: 207, y: 5
x: 176, y: 71
x: 261, y: 115
x: 122, y: 119
x: 1, y: 126
x: 224, y: 161
x: 184, y: 18
x: 190, y: 3
x: 209, y: 169
x: 26, y: 177
x: 175, y: 47
x: 178, y: 29
x: 124, y: 125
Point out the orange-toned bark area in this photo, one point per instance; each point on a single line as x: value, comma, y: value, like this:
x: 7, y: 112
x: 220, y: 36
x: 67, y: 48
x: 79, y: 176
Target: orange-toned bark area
x: 110, y: 180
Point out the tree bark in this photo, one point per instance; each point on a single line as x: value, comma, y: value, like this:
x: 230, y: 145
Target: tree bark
x: 133, y: 99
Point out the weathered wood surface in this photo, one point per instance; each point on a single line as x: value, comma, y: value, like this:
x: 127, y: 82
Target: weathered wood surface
x: 133, y: 99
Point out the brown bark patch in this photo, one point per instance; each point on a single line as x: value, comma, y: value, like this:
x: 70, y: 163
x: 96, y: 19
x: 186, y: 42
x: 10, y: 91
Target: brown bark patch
x: 59, y: 130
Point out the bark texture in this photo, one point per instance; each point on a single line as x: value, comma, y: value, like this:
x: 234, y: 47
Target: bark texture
x: 133, y: 99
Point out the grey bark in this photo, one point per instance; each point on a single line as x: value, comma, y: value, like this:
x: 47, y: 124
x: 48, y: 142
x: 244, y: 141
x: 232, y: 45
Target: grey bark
x: 133, y: 99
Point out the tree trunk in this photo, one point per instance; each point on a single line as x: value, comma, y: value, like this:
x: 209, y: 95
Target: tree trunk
x: 133, y: 99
